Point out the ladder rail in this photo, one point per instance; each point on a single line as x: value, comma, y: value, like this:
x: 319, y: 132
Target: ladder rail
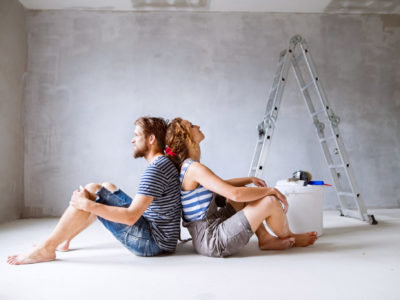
x: 335, y: 130
x: 270, y: 116
x: 310, y: 106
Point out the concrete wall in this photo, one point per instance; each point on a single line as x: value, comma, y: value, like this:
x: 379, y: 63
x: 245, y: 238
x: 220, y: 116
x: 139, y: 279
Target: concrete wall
x: 13, y: 57
x: 91, y: 74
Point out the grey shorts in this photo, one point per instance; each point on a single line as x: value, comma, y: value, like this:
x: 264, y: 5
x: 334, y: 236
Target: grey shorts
x: 223, y: 232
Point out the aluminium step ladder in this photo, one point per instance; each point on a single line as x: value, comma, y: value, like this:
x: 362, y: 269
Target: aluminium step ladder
x: 298, y: 58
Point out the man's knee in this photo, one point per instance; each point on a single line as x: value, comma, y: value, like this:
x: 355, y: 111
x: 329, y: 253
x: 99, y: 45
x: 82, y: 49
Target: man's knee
x: 109, y: 186
x: 93, y: 187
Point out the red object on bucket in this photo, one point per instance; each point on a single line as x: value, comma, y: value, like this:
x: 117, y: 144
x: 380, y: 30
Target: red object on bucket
x: 318, y: 182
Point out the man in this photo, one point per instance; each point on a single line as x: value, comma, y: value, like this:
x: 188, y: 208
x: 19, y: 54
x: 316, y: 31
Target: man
x: 149, y: 225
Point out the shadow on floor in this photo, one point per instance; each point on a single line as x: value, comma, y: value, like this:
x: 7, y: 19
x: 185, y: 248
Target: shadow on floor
x: 344, y: 230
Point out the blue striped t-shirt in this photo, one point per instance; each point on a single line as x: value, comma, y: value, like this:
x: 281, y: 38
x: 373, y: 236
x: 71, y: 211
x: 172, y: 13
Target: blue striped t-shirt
x: 195, y: 202
x: 161, y: 181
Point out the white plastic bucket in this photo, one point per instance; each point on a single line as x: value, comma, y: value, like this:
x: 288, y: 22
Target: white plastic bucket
x: 305, y: 205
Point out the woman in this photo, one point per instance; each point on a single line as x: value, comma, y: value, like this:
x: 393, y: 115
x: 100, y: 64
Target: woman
x: 223, y: 231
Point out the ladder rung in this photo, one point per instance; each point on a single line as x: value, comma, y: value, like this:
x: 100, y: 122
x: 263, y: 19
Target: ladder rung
x: 307, y: 85
x: 346, y: 194
x: 327, y: 138
x: 318, y: 112
x: 336, y: 166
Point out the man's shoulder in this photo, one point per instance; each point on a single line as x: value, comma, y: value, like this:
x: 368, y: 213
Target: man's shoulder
x: 163, y: 162
x: 163, y: 165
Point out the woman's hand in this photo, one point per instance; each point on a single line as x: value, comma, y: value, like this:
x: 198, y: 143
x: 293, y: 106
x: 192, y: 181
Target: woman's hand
x: 258, y: 182
x: 281, y: 197
x: 80, y: 199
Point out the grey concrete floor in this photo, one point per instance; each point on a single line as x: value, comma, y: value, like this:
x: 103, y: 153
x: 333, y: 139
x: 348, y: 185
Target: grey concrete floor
x: 352, y: 260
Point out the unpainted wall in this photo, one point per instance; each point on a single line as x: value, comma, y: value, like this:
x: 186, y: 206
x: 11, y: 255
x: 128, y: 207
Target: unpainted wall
x: 13, y: 57
x: 91, y: 74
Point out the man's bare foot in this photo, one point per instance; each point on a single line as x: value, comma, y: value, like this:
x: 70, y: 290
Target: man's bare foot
x: 305, y: 239
x: 36, y: 256
x: 63, y: 247
x: 275, y: 243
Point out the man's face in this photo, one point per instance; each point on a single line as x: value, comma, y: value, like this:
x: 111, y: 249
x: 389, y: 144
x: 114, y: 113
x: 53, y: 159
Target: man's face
x: 140, y: 143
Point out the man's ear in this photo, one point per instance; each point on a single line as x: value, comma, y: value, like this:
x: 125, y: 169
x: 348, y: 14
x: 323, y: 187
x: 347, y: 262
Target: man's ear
x: 152, y: 139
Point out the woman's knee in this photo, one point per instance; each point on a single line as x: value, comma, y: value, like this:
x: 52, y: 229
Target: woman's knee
x: 109, y: 186
x: 271, y: 202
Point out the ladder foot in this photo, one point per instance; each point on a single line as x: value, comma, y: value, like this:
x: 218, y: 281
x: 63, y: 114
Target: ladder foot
x: 340, y: 211
x: 371, y: 220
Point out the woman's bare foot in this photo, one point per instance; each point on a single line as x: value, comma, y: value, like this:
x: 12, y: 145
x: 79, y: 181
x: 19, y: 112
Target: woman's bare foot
x: 269, y: 242
x: 63, y: 247
x: 275, y: 243
x: 38, y: 255
x: 305, y: 239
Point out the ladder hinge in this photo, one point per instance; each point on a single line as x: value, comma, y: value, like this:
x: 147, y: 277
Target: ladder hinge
x: 296, y: 39
x: 319, y: 125
x: 335, y: 120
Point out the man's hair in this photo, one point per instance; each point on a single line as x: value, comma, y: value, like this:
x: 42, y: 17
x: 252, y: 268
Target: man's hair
x: 156, y: 126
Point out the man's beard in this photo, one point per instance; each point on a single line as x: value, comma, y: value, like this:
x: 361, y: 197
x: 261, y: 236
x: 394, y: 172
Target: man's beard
x: 140, y: 152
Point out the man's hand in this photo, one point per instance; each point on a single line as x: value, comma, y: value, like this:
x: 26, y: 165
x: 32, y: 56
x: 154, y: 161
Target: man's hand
x: 258, y: 182
x: 80, y: 199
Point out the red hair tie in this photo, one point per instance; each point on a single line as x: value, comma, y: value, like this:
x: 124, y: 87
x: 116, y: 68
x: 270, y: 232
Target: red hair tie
x: 169, y: 151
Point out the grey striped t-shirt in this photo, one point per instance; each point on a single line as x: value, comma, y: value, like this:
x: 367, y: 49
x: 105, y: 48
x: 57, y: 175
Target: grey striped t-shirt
x: 161, y: 181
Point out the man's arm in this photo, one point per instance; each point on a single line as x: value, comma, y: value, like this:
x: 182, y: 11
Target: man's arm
x: 128, y: 216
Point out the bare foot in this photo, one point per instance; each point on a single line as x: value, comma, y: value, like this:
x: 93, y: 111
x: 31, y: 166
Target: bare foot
x: 275, y: 243
x: 36, y: 256
x: 305, y: 239
x: 63, y: 247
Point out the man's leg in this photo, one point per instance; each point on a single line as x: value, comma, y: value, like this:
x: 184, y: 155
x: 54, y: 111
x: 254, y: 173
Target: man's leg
x: 270, y: 209
x: 64, y: 246
x: 265, y: 240
x: 71, y: 223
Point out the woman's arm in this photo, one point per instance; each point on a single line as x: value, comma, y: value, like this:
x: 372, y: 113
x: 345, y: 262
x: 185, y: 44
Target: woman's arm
x: 243, y: 181
x: 204, y: 176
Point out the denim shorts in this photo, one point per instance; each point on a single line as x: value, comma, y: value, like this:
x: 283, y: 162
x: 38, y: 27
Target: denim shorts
x: 136, y: 238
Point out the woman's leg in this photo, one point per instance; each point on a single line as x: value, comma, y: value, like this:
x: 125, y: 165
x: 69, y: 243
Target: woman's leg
x: 265, y: 240
x: 72, y: 222
x: 270, y: 209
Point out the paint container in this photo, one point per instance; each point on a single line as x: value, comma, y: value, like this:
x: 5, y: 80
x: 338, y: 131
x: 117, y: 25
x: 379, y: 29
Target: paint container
x: 305, y: 205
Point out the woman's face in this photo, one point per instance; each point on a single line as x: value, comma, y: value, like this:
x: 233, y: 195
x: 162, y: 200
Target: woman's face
x: 195, y: 131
